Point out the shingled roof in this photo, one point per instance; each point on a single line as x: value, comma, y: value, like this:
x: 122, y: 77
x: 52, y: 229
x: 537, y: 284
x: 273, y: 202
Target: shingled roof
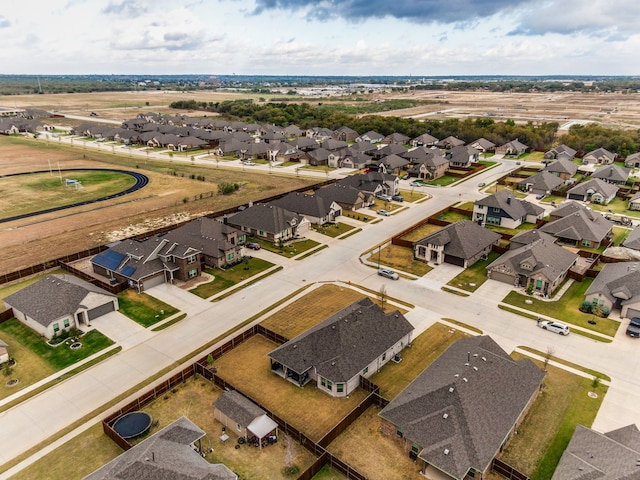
x: 268, y: 218
x: 238, y: 407
x: 515, y: 208
x: 166, y: 455
x: 580, y: 225
x: 462, y: 408
x: 52, y: 297
x: 618, y: 281
x: 545, y: 181
x: 345, y: 343
x: 595, y: 185
x: 612, y: 174
x: 463, y: 239
x: 633, y: 240
x: 203, y: 234
x: 302, y: 204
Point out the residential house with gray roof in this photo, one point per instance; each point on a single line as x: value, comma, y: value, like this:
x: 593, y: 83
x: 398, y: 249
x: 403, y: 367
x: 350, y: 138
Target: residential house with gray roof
x: 396, y: 138
x: 370, y: 136
x: 561, y: 152
x: 617, y: 286
x: 599, y: 156
x: 542, y: 183
x: 633, y: 160
x: 241, y: 416
x: 373, y: 182
x: 633, y: 240
x: 514, y: 147
x: 60, y: 302
x: 345, y: 134
x: 504, y: 210
x: 449, y: 142
x: 612, y: 174
x: 427, y: 165
x: 594, y: 190
x: 563, y: 168
x: 270, y: 222
x: 316, y: 209
x: 292, y: 131
x: 318, y: 156
x: 348, y: 197
x: 584, y: 228
x: 424, y: 140
x: 483, y: 145
x: 528, y: 237
x: 175, y: 452
x: 567, y: 208
x: 462, y: 243
x: 634, y: 202
x: 461, y: 411
x: 593, y: 455
x: 356, y: 341
x: 462, y: 156
x: 541, y: 265
x: 391, y: 149
x: 391, y: 164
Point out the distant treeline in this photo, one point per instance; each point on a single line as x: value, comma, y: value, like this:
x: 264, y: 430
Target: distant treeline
x: 541, y: 136
x: 629, y: 85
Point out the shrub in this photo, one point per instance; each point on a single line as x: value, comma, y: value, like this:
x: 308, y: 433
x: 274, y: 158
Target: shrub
x: 586, y: 307
x: 227, y: 188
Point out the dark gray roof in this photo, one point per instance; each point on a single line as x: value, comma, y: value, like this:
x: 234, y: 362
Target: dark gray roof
x: 302, y: 204
x: 529, y: 236
x: 166, y: 455
x: 391, y: 162
x: 515, y: 208
x: 564, y: 165
x: 542, y: 181
x: 633, y: 240
x: 450, y: 141
x: 461, y: 408
x: 203, y: 234
x: 367, y: 182
x: 564, y: 150
x: 516, y: 145
x: 601, y: 152
x: 138, y: 259
x: 268, y: 218
x: 340, y: 193
x: 52, y: 297
x: 483, y: 143
x: 618, y: 281
x: 425, y: 139
x: 595, y: 185
x: 345, y: 343
x: 580, y: 225
x: 462, y: 153
x: 238, y: 407
x: 592, y: 455
x: 569, y: 208
x: 538, y: 258
x: 612, y: 173
x: 463, y: 239
x: 392, y: 149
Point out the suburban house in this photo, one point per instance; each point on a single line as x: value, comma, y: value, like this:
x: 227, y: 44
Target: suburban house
x: 347, y: 197
x: 583, y: 228
x: 528, y: 237
x: 449, y: 142
x: 424, y: 140
x: 612, y: 456
x: 462, y: 156
x: 461, y: 411
x: 314, y: 208
x: 617, y: 286
x: 60, y: 302
x: 392, y: 164
x: 345, y: 134
x: 563, y: 168
x: 373, y: 182
x: 514, y: 147
x: 483, y: 145
x: 390, y: 149
x: 396, y: 138
x: 632, y: 161
x: 594, y: 190
x: 561, y: 152
x: 241, y: 416
x: 429, y: 166
x: 565, y: 209
x: 634, y: 202
x: 4, y: 352
x: 270, y: 222
x: 541, y: 266
x: 633, y: 240
x: 462, y: 243
x: 612, y: 174
x: 504, y: 210
x: 356, y: 341
x: 318, y: 156
x: 174, y: 452
x: 599, y: 156
x: 542, y: 183
x: 370, y: 136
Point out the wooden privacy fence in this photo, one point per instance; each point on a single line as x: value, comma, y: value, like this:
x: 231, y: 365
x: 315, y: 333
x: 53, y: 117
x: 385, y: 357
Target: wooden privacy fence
x: 507, y: 471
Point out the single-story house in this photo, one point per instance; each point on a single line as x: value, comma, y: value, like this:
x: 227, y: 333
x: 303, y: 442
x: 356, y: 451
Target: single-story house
x: 243, y: 417
x: 634, y: 202
x: 594, y: 190
x: 4, y: 352
x: 430, y: 166
x: 60, y: 302
x: 462, y: 156
x: 174, y: 452
x: 514, y: 147
x: 541, y: 265
x: 356, y: 341
x: 462, y: 243
x: 373, y: 182
x: 617, y: 286
x: 370, y: 136
x: 391, y: 164
x: 561, y: 152
x: 504, y: 210
x: 583, y: 228
x: 396, y: 138
x: 345, y: 134
x: 449, y: 142
x: 632, y: 161
x: 424, y: 140
x: 461, y: 411
x: 599, y: 156
x: 347, y: 197
x: 612, y: 456
x: 542, y: 183
x: 562, y: 167
x: 270, y: 222
x: 567, y: 208
x: 483, y: 145
x: 314, y: 208
x: 633, y: 240
x: 528, y: 237
x: 612, y: 174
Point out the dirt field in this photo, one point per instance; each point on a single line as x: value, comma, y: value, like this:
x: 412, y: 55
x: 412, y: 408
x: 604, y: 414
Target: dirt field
x: 169, y: 198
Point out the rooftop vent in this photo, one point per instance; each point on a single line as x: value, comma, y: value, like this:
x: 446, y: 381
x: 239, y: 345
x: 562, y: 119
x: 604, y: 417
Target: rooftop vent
x: 484, y: 359
x: 446, y: 451
x: 475, y: 368
x: 445, y: 416
x: 450, y: 389
x: 464, y: 379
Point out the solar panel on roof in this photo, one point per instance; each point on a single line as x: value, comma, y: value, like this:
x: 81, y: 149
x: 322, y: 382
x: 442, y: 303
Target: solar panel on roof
x: 109, y: 259
x: 128, y: 271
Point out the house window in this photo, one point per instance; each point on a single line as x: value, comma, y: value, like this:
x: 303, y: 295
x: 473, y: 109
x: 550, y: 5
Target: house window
x: 399, y: 431
x: 339, y: 387
x: 66, y: 323
x: 193, y: 273
x: 495, y: 210
x: 238, y: 427
x: 493, y: 220
x: 261, y: 233
x: 323, y: 382
x: 365, y: 371
x: 230, y: 256
x: 586, y: 243
x: 191, y: 258
x: 415, y: 448
x: 56, y: 327
x: 538, y: 284
x: 384, y: 356
x: 329, y: 385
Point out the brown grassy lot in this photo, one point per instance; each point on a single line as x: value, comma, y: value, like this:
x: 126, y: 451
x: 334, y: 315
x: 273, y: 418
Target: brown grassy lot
x: 372, y: 453
x: 308, y: 409
x: 304, y: 313
x: 420, y: 233
x: 424, y: 349
x: 29, y: 241
x: 395, y: 256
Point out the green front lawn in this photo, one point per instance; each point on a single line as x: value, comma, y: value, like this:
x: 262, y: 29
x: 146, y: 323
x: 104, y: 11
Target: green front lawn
x: 512, y: 231
x: 443, y: 181
x: 617, y: 205
x: 58, y: 357
x: 363, y: 217
x: 144, y: 309
x: 333, y: 230
x: 474, y: 276
x: 453, y: 217
x: 566, y: 308
x: 532, y: 156
x: 292, y: 248
x: 223, y: 279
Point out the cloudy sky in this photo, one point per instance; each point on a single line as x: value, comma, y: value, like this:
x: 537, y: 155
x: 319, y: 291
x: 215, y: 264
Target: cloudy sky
x: 321, y: 37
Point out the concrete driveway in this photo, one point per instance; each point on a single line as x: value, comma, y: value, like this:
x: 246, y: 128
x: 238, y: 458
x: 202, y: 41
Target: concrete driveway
x: 181, y: 299
x: 120, y: 329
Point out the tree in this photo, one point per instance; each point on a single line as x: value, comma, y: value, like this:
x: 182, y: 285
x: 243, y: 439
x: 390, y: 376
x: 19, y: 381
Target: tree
x: 382, y: 293
x: 548, y: 355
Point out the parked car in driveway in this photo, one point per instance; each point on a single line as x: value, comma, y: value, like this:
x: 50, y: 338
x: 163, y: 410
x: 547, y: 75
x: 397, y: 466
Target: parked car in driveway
x: 633, y: 330
x: 555, y: 327
x: 397, y: 198
x: 249, y: 163
x: 481, y: 184
x: 416, y: 183
x: 252, y: 245
x: 384, y: 197
x: 388, y: 273
x: 383, y: 212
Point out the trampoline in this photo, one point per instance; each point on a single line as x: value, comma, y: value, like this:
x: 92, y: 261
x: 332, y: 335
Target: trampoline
x: 132, y: 424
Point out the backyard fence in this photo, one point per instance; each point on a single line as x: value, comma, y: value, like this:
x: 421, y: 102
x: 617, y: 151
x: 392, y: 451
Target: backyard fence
x: 507, y: 471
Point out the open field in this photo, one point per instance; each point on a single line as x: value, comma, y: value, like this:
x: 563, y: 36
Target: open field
x: 171, y: 196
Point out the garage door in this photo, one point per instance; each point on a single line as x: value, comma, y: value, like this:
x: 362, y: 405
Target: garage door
x: 633, y: 312
x: 454, y: 260
x: 99, y: 311
x: 502, y: 277
x: 153, y: 282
